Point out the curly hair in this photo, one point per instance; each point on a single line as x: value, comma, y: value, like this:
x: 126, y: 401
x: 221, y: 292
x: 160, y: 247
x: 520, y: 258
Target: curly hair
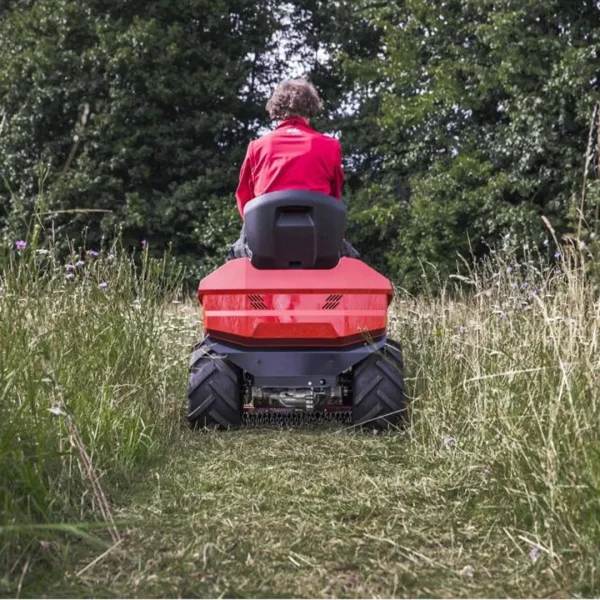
x: 295, y: 98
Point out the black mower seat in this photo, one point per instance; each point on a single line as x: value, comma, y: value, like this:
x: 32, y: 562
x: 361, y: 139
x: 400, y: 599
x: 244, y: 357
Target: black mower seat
x: 295, y: 229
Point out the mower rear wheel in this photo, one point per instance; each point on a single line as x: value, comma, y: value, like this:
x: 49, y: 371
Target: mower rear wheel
x: 214, y: 391
x: 378, y: 395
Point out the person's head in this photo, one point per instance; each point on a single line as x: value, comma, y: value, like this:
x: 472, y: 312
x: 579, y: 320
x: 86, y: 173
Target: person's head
x: 295, y: 98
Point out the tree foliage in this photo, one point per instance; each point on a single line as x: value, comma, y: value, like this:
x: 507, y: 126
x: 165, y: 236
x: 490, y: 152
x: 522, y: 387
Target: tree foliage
x: 142, y: 110
x: 485, y: 112
x: 459, y: 119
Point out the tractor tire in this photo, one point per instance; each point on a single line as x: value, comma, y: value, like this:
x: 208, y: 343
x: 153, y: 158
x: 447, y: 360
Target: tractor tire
x: 378, y: 395
x: 214, y: 392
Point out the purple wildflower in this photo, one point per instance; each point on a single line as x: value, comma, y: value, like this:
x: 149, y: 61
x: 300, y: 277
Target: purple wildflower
x: 144, y: 243
x: 102, y: 285
x: 93, y: 253
x: 80, y: 263
x: 546, y: 242
x: 467, y: 571
x: 69, y: 267
x: 513, y: 285
x: 462, y: 329
x: 20, y: 245
x: 69, y: 276
x: 524, y: 285
x: 449, y: 442
x: 534, y: 553
x: 557, y: 254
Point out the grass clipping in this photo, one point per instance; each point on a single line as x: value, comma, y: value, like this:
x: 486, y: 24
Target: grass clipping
x: 492, y: 491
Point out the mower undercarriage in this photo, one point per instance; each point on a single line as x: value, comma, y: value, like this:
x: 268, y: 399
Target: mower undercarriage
x: 284, y: 417
x: 281, y: 406
x: 231, y: 386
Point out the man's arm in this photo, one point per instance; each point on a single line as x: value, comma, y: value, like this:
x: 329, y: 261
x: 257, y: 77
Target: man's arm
x: 338, y: 174
x: 245, y: 189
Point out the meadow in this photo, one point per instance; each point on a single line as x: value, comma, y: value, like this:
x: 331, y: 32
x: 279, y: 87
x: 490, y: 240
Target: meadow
x: 493, y: 489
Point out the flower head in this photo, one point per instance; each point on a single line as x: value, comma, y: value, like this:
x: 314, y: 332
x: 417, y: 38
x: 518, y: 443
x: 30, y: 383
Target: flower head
x: 20, y: 245
x: 144, y: 243
x: 69, y: 276
x: 467, y: 571
x: 93, y: 253
x: 449, y: 442
x: 557, y: 254
x: 79, y: 263
x: 102, y: 285
x: 58, y: 410
x: 69, y: 267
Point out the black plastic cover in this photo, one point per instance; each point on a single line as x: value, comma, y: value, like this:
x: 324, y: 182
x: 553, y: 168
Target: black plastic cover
x: 294, y: 367
x: 295, y: 229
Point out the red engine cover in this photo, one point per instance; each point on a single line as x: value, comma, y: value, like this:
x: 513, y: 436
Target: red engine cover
x: 334, y: 307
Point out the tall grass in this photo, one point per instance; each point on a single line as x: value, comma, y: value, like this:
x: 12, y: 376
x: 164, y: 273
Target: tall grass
x: 501, y: 465
x: 89, y: 385
x: 505, y: 376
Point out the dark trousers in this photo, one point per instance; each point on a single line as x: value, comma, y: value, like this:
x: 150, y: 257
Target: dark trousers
x: 239, y: 249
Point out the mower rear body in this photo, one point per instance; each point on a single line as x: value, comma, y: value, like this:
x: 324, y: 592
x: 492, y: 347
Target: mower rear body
x: 294, y: 328
x: 288, y: 308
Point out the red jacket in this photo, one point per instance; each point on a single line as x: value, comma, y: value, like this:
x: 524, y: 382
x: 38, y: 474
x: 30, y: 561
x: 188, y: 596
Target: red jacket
x: 292, y: 157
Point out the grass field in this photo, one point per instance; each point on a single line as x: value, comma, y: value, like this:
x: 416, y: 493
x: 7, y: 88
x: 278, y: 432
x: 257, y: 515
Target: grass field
x: 494, y: 490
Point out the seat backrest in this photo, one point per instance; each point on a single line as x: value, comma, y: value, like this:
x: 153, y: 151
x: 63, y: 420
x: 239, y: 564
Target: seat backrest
x: 295, y: 229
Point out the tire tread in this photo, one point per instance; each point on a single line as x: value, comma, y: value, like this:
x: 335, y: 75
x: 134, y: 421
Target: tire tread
x: 213, y: 391
x: 378, y: 392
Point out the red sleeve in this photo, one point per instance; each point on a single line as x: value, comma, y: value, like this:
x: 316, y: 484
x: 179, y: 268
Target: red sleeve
x: 338, y: 174
x: 245, y: 189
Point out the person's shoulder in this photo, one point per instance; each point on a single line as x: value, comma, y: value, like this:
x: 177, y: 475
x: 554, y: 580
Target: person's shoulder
x: 329, y: 142
x: 327, y: 138
x: 264, y: 139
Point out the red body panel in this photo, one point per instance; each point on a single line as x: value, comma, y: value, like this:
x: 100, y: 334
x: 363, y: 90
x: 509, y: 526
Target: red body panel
x: 295, y: 308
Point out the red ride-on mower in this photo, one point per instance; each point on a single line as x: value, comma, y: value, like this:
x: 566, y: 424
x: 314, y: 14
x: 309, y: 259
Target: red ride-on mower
x: 295, y: 332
